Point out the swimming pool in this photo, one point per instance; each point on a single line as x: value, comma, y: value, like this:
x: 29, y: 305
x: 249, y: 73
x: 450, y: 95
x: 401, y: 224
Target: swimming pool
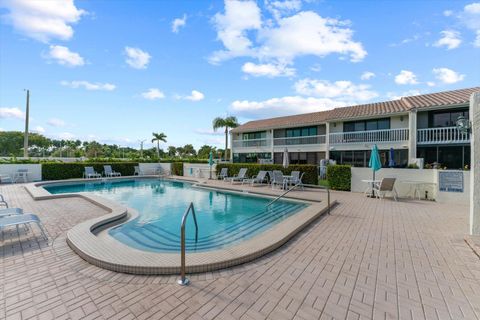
x: 224, y: 218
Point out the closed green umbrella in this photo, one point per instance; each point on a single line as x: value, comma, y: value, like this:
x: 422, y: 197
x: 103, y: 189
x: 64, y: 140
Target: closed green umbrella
x: 210, y: 163
x: 374, y: 163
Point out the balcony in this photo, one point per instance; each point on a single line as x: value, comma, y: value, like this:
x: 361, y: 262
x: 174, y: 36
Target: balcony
x: 443, y: 135
x: 251, y: 143
x: 299, y: 140
x: 372, y: 136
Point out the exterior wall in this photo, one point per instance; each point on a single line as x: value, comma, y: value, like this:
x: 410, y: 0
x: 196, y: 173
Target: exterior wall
x: 336, y: 126
x: 422, y: 119
x: 198, y: 170
x: 150, y: 168
x: 406, y: 190
x: 34, y: 170
x: 398, y: 122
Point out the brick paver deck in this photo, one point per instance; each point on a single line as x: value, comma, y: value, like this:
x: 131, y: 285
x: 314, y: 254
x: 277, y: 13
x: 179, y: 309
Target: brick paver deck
x: 370, y: 259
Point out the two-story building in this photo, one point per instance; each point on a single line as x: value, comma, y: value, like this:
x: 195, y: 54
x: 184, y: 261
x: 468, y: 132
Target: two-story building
x: 420, y: 126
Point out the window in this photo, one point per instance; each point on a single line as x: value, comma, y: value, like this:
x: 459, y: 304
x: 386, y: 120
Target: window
x: 368, y: 125
x: 446, y: 118
x: 301, y: 132
x: 254, y: 135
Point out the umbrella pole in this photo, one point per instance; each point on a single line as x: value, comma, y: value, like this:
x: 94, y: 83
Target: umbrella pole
x: 373, y: 182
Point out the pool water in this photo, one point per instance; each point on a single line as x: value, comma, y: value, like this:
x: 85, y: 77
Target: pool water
x: 223, y: 218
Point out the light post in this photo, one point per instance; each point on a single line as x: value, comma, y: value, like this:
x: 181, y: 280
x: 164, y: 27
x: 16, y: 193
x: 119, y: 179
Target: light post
x: 141, y: 147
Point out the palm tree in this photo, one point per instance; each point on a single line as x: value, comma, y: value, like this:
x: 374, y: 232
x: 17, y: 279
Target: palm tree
x: 228, y: 122
x: 159, y: 137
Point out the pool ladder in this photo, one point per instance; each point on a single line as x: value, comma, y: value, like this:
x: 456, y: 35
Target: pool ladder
x: 183, y: 281
x: 295, y: 186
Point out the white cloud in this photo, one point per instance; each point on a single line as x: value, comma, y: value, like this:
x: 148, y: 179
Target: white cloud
x: 178, y: 23
x: 153, y: 94
x: 476, y: 42
x: 283, y: 106
x: 340, y: 90
x: 66, y: 136
x: 447, y: 76
x: 15, y: 113
x: 430, y: 83
x: 450, y: 39
x: 367, y: 75
x: 43, y: 20
x: 232, y: 27
x: 447, y: 13
x: 137, y: 58
x: 396, y: 96
x: 304, y: 33
x: 55, y: 122
x: 281, y: 8
x: 89, y: 85
x: 195, y: 96
x: 208, y: 132
x: 406, y: 77
x: 39, y: 129
x: 267, y: 70
x: 62, y: 55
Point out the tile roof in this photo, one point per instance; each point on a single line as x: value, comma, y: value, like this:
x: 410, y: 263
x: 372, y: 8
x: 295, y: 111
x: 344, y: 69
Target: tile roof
x: 401, y: 105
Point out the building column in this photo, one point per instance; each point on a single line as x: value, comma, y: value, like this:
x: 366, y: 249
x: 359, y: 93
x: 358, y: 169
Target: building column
x: 412, y: 135
x: 475, y: 164
x: 231, y: 146
x: 327, y: 140
x: 271, y: 144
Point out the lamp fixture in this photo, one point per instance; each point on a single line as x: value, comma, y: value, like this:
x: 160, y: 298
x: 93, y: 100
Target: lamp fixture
x: 463, y: 125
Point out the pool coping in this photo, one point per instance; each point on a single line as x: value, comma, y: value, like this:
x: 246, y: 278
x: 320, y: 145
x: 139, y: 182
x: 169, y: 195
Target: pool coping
x: 109, y: 253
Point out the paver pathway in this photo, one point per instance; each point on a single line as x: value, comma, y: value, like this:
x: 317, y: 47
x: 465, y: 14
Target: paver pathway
x: 371, y: 259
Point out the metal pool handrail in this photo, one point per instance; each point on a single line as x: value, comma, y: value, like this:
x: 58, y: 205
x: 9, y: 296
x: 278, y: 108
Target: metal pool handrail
x: 183, y: 281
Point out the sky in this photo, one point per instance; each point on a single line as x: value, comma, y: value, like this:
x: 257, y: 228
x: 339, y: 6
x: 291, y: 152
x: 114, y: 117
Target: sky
x: 116, y: 71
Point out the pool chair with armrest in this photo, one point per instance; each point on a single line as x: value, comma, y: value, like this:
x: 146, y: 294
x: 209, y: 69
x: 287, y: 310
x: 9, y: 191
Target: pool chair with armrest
x: 260, y: 178
x: 242, y: 174
x: 22, y: 219
x: 296, y: 179
x: 108, y: 172
x: 5, y: 178
x: 223, y: 174
x: 21, y: 174
x: 137, y: 171
x: 385, y: 186
x: 278, y: 179
x: 91, y: 173
x: 10, y: 212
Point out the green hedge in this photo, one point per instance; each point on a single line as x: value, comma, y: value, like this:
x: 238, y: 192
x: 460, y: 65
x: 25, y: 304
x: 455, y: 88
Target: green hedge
x: 177, y: 168
x: 61, y: 171
x: 310, y: 176
x: 339, y: 177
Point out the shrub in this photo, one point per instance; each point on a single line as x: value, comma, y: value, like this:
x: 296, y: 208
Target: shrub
x: 61, y: 171
x: 339, y: 177
x: 310, y: 176
x: 177, y: 168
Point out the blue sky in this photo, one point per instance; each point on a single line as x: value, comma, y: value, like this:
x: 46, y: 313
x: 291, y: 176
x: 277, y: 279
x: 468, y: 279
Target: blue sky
x: 116, y: 71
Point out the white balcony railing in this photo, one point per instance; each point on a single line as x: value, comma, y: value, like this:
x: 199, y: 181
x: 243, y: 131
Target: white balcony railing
x: 251, y: 143
x: 390, y: 135
x: 441, y: 136
x: 288, y: 141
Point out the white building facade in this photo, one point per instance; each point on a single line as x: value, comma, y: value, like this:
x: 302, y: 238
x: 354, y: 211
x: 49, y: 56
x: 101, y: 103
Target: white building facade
x: 405, y: 129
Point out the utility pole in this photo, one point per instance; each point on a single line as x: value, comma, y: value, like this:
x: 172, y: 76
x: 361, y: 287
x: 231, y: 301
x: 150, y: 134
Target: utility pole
x: 141, y: 147
x: 25, y: 137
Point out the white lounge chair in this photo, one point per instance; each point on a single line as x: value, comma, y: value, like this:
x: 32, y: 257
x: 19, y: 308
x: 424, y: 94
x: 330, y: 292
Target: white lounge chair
x: 242, y: 174
x: 21, y: 174
x: 108, y: 172
x: 278, y: 179
x: 5, y: 178
x: 296, y: 179
x: 91, y: 173
x: 223, y: 174
x: 137, y: 171
x: 22, y: 219
x: 260, y: 178
x: 10, y: 212
x: 385, y: 186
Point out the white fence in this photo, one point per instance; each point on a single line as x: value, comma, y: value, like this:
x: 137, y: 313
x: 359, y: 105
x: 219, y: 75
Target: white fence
x: 389, y: 135
x: 34, y: 171
x: 198, y: 170
x: 442, y: 135
x: 409, y: 179
x: 155, y: 168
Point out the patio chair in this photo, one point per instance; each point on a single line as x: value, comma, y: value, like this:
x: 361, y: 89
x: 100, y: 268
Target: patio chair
x: 223, y: 174
x: 137, y: 171
x: 22, y: 219
x: 260, y: 178
x: 3, y: 202
x: 91, y: 173
x: 5, y: 178
x: 386, y: 185
x: 296, y: 178
x: 10, y: 212
x: 278, y: 179
x: 20, y: 174
x: 242, y: 174
x: 108, y: 172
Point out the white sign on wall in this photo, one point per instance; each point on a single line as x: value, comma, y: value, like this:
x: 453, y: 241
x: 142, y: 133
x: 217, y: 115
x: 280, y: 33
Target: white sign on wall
x: 450, y: 181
